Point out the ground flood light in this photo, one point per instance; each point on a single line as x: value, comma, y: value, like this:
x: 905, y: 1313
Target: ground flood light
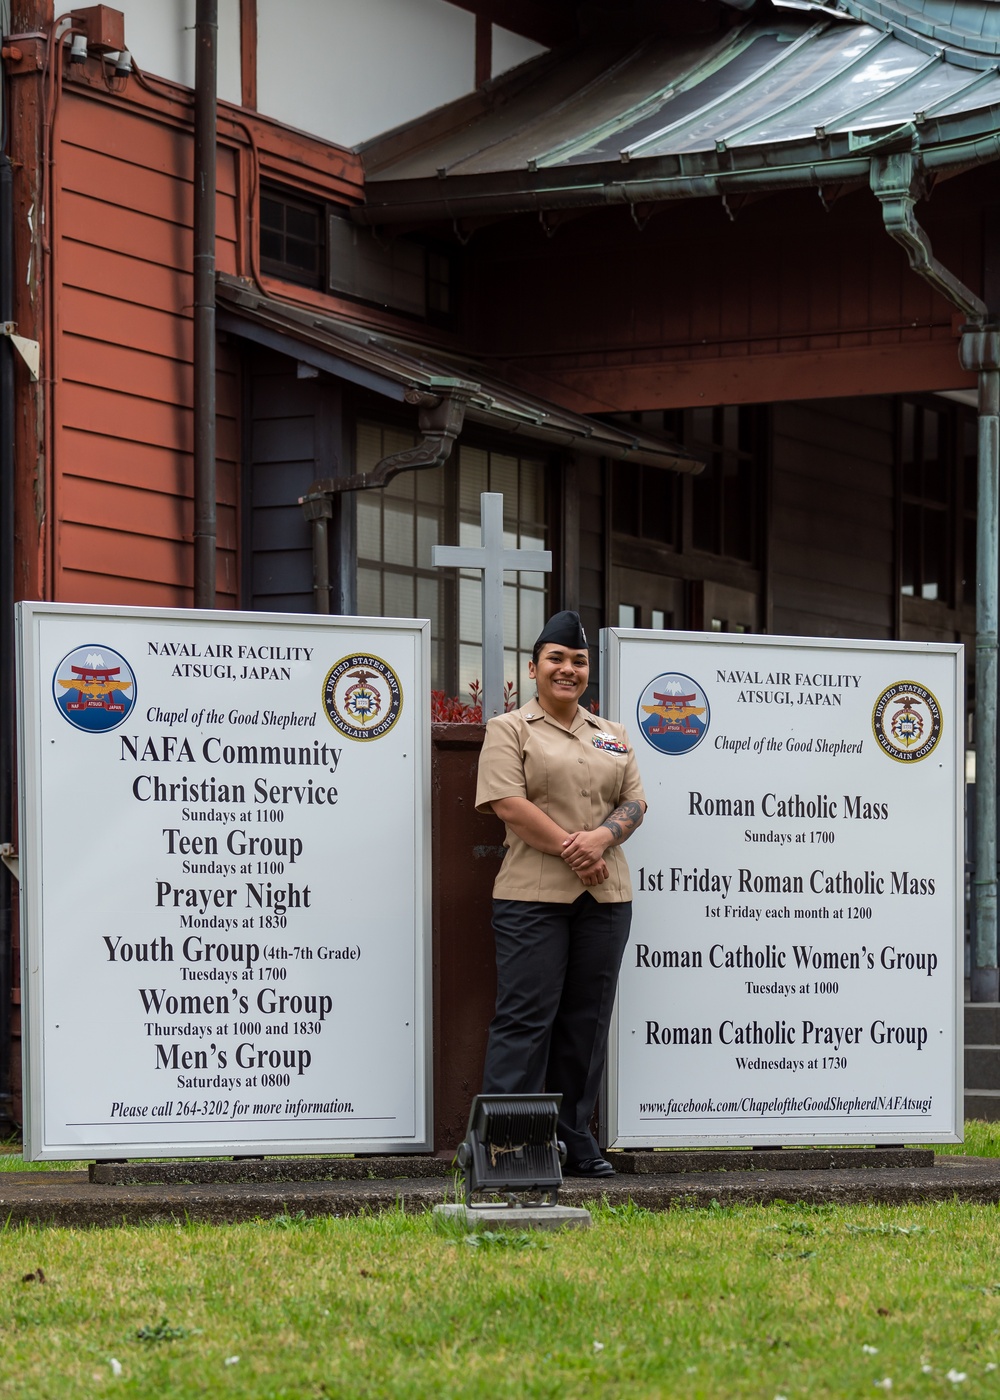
x: 511, y: 1148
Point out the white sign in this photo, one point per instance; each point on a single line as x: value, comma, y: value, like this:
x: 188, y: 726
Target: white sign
x: 794, y: 972
x: 225, y: 882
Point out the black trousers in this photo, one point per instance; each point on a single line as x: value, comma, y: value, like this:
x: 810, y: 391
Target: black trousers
x: 557, y: 970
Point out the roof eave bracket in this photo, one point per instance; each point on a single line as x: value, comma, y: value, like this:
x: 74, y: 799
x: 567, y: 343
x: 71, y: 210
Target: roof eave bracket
x: 898, y: 181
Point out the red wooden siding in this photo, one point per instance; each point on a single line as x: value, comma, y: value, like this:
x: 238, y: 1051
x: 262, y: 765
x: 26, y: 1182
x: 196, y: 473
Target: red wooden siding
x: 121, y: 217
x: 123, y: 399
x: 786, y: 302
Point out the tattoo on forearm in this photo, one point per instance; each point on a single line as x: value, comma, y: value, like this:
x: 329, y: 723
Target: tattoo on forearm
x: 624, y: 820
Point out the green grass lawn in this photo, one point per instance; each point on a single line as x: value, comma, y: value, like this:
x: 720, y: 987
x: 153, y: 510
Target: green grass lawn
x: 981, y: 1140
x: 756, y: 1301
x: 749, y: 1301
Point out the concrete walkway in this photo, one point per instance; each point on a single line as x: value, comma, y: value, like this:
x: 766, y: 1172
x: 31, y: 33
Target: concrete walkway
x: 73, y: 1198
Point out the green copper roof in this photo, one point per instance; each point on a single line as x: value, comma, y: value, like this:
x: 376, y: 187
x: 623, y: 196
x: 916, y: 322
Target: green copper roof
x: 969, y: 30
x: 801, y: 96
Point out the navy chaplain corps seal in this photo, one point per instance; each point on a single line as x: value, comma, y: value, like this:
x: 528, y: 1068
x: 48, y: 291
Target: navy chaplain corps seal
x: 362, y: 697
x: 906, y: 721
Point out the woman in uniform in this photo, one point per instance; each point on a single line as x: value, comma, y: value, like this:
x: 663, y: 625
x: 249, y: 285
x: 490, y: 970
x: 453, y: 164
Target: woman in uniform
x: 566, y: 785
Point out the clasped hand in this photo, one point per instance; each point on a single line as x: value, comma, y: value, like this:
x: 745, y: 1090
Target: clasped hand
x: 584, y: 854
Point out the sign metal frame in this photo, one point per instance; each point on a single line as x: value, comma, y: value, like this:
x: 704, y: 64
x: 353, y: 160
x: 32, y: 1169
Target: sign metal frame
x: 33, y: 692
x: 824, y: 653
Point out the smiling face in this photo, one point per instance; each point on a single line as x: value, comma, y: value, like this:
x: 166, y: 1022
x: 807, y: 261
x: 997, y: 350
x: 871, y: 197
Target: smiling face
x: 561, y: 674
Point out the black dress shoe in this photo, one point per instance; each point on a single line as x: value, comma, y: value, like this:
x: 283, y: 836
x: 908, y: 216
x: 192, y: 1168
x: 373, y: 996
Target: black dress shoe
x: 590, y: 1167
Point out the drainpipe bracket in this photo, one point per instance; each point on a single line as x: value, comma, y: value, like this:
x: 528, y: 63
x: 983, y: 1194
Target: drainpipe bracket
x: 317, y: 504
x: 979, y: 348
x: 29, y: 350
x: 898, y: 175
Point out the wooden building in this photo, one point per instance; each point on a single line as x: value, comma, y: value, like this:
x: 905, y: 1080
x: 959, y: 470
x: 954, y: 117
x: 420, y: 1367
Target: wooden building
x: 635, y: 241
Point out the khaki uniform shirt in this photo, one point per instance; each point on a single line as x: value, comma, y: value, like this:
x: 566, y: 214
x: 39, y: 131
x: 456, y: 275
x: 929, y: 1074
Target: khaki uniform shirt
x: 527, y: 754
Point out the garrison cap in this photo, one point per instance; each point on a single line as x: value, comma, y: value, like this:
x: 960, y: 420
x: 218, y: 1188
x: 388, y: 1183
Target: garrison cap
x: 563, y: 629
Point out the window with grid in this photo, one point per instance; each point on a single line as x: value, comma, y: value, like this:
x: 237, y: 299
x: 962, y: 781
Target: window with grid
x: 522, y: 483
x: 724, y: 496
x: 291, y: 237
x: 397, y: 526
x: 926, y: 480
x: 645, y: 503
x: 716, y: 511
x: 405, y: 273
x: 629, y: 616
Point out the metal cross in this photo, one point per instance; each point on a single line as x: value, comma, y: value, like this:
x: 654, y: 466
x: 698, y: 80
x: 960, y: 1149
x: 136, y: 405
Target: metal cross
x: 493, y: 560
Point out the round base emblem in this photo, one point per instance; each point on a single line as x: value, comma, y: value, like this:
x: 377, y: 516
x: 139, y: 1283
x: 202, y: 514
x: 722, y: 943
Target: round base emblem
x: 362, y: 697
x: 94, y: 688
x: 673, y: 713
x: 906, y: 721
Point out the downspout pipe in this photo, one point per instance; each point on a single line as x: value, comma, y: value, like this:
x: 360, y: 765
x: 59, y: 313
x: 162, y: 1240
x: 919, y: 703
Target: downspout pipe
x: 317, y: 507
x: 6, y: 627
x: 440, y: 419
x: 205, y: 161
x: 980, y: 351
x: 897, y: 181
